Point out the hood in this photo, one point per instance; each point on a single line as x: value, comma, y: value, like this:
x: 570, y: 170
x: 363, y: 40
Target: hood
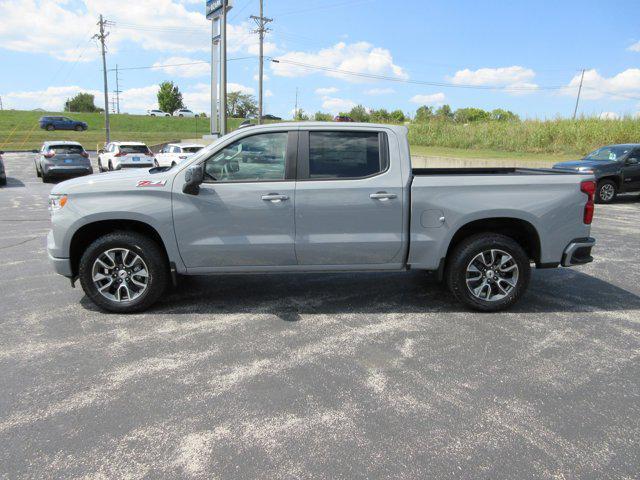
x: 577, y: 164
x: 119, y: 180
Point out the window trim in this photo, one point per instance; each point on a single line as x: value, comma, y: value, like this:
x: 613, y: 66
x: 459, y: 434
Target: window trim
x: 290, y: 160
x: 303, y: 155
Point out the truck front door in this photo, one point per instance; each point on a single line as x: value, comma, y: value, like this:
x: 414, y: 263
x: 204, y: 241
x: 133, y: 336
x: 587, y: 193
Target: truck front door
x: 243, y: 215
x: 631, y: 172
x: 349, y: 202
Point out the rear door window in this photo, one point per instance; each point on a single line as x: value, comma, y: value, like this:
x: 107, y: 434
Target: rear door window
x: 343, y: 155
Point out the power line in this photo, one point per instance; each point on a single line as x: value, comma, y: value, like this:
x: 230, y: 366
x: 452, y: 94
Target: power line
x: 161, y: 65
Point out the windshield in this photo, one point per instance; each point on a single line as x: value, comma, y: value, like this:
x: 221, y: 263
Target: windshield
x: 611, y: 153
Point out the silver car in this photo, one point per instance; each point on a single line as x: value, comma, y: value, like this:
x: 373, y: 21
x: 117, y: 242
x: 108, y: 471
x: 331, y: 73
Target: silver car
x: 62, y: 159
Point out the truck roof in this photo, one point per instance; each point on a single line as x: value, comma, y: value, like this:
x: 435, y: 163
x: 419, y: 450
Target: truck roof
x: 331, y: 125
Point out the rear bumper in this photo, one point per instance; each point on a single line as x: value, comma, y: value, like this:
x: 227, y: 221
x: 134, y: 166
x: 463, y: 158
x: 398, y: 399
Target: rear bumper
x: 134, y: 165
x: 63, y: 170
x: 578, y: 252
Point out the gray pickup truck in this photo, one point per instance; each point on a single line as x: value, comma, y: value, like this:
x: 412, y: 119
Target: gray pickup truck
x: 321, y: 197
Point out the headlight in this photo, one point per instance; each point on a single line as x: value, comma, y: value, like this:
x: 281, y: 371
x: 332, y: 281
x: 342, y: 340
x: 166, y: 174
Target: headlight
x: 56, y: 202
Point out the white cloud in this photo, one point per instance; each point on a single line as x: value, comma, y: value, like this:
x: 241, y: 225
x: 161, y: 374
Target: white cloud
x: 184, y: 67
x: 429, y: 99
x: 51, y: 98
x: 139, y: 99
x: 237, y: 87
x: 609, y: 116
x: 268, y: 93
x: 326, y: 90
x: 360, y: 57
x: 596, y: 86
x: 38, y: 26
x: 379, y: 91
x: 265, y: 77
x: 516, y: 77
x: 337, y: 105
x: 635, y: 47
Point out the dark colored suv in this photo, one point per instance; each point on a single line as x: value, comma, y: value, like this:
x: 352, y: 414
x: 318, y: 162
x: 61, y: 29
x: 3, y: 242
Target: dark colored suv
x: 616, y: 168
x: 62, y: 123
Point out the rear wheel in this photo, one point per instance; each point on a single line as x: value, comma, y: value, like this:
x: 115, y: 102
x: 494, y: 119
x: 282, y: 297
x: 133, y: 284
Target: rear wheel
x: 110, y: 166
x: 50, y: 128
x: 78, y: 128
x: 488, y: 272
x: 124, y: 272
x: 607, y: 191
x: 38, y: 174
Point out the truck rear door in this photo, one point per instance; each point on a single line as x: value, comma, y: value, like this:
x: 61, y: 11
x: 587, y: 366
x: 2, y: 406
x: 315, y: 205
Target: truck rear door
x: 349, y: 202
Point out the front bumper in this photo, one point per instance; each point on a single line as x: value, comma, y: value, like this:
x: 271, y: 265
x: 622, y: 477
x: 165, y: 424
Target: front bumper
x: 62, y: 266
x: 578, y: 252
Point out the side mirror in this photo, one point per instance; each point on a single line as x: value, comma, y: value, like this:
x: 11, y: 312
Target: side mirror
x: 632, y: 161
x: 193, y: 177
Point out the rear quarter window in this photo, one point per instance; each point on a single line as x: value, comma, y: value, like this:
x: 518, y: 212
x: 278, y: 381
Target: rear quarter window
x: 342, y: 154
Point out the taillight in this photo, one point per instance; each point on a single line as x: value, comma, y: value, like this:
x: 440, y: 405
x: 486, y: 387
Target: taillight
x: 85, y: 154
x: 150, y: 153
x: 120, y: 154
x: 589, y: 187
x: 50, y: 154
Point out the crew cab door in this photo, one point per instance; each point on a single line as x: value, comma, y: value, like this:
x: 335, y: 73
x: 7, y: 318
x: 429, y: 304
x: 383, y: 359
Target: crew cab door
x: 242, y: 217
x: 631, y: 172
x: 349, y: 199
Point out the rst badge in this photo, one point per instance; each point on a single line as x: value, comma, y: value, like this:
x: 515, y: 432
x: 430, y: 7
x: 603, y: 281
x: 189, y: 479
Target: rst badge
x: 151, y: 183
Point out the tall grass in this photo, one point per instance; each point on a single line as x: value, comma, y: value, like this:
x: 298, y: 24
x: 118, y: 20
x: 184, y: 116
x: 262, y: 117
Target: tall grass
x: 532, y: 136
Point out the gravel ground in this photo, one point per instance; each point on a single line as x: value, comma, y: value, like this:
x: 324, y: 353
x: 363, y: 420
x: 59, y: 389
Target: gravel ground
x: 318, y: 376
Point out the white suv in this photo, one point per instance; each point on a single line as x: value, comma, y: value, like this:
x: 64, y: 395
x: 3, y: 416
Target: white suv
x: 173, y: 153
x: 183, y: 112
x: 158, y: 113
x: 118, y: 155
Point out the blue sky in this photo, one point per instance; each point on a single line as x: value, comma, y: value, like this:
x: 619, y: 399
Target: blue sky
x: 520, y: 55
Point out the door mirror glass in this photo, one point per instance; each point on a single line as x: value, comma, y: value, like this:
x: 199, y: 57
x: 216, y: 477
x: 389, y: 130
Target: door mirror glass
x: 192, y: 179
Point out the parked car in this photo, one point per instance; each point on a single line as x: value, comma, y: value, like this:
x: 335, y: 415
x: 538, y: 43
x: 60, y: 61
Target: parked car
x: 158, y: 113
x: 341, y: 197
x: 62, y: 159
x: 616, y: 169
x: 3, y: 173
x: 119, y: 155
x: 270, y: 117
x: 62, y: 123
x: 183, y: 112
x: 173, y: 153
x: 342, y: 118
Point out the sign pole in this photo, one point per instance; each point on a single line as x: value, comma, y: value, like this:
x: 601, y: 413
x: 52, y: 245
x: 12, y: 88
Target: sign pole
x: 214, y: 78
x: 223, y: 70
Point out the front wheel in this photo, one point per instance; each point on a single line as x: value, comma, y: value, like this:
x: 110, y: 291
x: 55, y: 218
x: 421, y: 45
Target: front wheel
x: 124, y: 272
x: 488, y: 272
x: 50, y: 128
x: 607, y: 191
x: 79, y: 128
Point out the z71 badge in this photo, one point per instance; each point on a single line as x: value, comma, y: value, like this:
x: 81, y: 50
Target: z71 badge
x: 150, y: 183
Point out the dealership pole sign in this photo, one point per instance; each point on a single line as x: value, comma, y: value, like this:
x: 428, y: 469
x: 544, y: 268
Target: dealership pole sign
x: 214, y: 8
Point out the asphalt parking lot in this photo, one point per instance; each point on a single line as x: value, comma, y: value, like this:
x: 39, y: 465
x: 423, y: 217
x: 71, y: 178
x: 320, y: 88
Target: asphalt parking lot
x: 318, y: 376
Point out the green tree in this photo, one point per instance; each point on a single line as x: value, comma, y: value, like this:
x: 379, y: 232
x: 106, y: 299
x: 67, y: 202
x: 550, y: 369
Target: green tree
x: 169, y: 97
x: 359, y: 114
x: 471, y: 114
x: 82, y: 102
x: 300, y: 116
x: 397, y: 116
x: 424, y: 114
x: 380, y: 116
x: 501, y: 115
x: 444, y: 112
x: 241, y: 105
x: 322, y: 117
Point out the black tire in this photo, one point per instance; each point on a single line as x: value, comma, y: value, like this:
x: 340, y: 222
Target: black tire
x: 156, y: 164
x: 461, y: 257
x: 152, y: 255
x: 79, y: 128
x: 50, y: 128
x: 110, y: 166
x: 153, y: 115
x: 607, y: 191
x: 3, y: 181
x: 181, y: 115
x: 100, y: 169
x: 38, y: 174
x: 173, y: 164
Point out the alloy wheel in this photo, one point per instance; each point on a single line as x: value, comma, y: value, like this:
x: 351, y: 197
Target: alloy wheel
x: 492, y: 275
x: 120, y: 275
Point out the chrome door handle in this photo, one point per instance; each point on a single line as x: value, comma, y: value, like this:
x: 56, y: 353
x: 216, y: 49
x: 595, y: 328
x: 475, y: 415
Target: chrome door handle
x: 274, y: 197
x: 383, y: 196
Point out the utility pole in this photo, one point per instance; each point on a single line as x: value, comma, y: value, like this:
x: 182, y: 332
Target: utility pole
x: 118, y: 91
x: 223, y: 71
x: 102, y: 35
x: 261, y: 22
x: 215, y: 45
x: 575, y: 111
